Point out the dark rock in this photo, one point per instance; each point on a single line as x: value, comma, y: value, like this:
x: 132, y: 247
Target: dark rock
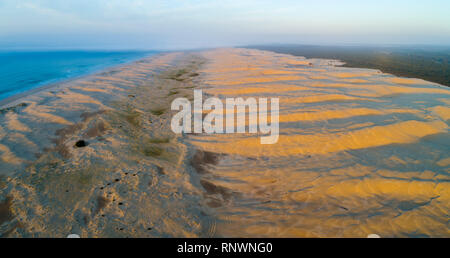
x: 81, y: 144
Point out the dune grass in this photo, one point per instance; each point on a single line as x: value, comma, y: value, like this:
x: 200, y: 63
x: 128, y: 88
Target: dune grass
x: 173, y: 92
x: 158, y: 111
x: 152, y: 151
x: 160, y: 140
x: 177, y: 75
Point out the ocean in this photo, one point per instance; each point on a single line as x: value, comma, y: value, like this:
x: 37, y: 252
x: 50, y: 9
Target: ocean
x: 25, y: 70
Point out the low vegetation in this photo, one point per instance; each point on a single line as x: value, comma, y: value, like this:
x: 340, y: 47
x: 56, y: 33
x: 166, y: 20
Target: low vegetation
x: 152, y: 151
x: 158, y: 111
x: 160, y: 140
x: 428, y: 63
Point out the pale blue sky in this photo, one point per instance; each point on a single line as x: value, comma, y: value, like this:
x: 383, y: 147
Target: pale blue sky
x: 206, y: 23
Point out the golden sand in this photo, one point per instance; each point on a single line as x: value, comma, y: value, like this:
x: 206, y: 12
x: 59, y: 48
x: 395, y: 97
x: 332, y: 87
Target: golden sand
x: 359, y: 153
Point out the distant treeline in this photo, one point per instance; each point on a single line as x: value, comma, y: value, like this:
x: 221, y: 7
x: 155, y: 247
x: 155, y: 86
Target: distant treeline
x: 428, y: 63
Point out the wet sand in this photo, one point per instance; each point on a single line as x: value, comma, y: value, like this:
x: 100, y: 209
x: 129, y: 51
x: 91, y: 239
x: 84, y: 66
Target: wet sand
x: 360, y: 152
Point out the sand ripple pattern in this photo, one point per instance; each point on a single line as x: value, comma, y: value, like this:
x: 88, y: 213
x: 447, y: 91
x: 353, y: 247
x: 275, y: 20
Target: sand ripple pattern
x: 360, y: 152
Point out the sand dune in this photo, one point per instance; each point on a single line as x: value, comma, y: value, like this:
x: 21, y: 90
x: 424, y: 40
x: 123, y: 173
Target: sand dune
x: 126, y: 177
x: 360, y: 152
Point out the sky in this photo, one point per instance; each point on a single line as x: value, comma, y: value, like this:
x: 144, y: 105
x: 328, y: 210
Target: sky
x: 182, y: 24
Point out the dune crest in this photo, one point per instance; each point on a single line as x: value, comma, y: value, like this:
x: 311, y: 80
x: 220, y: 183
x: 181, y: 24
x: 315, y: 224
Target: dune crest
x: 360, y: 152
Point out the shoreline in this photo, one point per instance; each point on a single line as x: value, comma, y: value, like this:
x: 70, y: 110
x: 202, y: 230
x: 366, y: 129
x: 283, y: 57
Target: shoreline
x: 98, y: 158
x: 139, y: 162
x: 16, y: 98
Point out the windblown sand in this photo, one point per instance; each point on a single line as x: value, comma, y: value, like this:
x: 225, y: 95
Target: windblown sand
x: 360, y: 152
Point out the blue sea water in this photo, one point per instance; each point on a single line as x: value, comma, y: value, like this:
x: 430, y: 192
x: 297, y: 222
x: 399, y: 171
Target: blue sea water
x: 24, y: 70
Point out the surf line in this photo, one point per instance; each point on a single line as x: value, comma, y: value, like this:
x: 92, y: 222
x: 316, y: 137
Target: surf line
x: 235, y: 110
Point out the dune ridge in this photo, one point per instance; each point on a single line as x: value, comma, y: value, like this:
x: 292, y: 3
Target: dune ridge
x: 360, y: 152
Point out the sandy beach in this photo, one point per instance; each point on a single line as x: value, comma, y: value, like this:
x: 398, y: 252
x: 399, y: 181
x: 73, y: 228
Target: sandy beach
x: 360, y: 152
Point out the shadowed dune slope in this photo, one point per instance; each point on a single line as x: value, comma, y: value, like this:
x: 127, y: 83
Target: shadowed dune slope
x: 360, y: 152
